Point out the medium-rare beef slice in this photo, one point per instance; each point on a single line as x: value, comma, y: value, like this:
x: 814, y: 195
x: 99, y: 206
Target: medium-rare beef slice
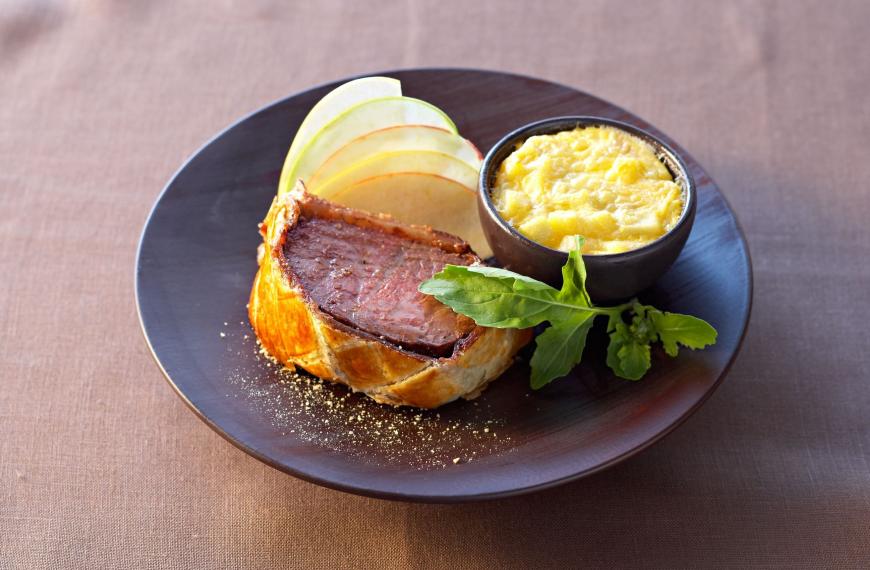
x: 367, y: 278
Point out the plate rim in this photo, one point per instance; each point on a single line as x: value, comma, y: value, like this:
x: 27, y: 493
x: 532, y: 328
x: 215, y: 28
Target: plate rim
x: 460, y: 497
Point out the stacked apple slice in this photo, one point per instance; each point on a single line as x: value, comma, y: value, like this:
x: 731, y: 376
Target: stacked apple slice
x: 366, y: 146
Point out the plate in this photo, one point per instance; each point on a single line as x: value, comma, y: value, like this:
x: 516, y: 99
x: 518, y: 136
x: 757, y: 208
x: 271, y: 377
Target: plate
x: 196, y: 262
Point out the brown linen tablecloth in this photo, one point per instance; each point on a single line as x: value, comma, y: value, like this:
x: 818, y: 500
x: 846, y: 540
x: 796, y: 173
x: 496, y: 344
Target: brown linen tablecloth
x: 101, y: 464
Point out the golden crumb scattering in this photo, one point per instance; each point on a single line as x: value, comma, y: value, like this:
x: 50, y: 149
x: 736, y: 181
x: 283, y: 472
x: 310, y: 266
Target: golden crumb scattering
x: 333, y: 417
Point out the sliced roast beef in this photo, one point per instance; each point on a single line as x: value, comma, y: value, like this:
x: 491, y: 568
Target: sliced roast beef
x: 366, y: 276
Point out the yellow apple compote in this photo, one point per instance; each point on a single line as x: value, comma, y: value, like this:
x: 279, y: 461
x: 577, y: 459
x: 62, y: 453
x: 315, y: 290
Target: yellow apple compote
x: 598, y: 182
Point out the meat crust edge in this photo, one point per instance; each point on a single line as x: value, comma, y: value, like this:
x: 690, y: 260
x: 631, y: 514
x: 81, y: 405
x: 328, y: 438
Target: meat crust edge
x: 294, y: 331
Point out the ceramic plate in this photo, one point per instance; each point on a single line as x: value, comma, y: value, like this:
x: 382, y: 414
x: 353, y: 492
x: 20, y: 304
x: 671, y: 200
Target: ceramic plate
x: 197, y: 259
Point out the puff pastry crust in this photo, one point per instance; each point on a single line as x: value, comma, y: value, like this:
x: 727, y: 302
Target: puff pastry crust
x: 296, y: 332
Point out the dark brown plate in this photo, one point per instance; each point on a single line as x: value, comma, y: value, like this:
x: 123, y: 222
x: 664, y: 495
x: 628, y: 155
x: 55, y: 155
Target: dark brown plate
x: 194, y: 270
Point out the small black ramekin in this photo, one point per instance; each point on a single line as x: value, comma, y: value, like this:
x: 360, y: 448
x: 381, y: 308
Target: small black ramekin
x: 612, y: 276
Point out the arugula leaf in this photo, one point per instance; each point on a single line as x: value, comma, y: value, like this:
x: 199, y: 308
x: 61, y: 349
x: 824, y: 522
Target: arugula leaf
x: 641, y: 329
x: 634, y: 360
x: 574, y: 277
x: 559, y: 349
x: 614, y: 320
x: 673, y: 328
x: 495, y: 297
x: 618, y: 339
x: 627, y: 354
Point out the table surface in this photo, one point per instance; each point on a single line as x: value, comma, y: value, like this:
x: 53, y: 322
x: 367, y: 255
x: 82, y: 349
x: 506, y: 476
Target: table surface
x: 101, y: 465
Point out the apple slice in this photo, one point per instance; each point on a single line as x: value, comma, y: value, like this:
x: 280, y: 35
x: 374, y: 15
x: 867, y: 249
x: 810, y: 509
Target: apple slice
x: 363, y: 118
x: 405, y: 137
x: 423, y: 199
x: 416, y: 161
x: 340, y: 100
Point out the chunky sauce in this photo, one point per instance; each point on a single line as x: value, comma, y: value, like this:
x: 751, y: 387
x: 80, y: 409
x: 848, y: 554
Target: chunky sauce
x: 599, y: 182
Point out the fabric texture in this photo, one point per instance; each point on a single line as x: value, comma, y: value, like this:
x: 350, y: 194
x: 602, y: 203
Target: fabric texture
x: 103, y: 466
